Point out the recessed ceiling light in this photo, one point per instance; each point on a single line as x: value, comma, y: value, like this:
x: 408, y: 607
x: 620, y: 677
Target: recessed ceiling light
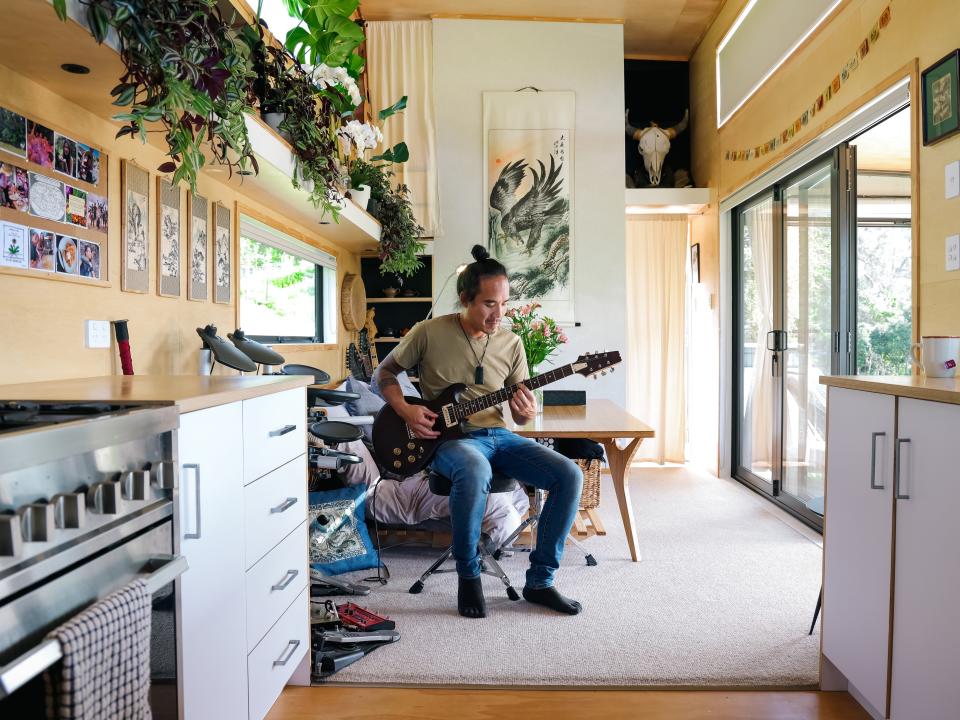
x: 75, y: 68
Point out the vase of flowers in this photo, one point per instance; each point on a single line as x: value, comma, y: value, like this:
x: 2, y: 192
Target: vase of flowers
x: 540, y: 337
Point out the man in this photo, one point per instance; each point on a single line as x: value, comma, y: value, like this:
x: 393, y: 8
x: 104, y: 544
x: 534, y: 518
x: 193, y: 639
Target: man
x: 87, y: 261
x: 471, y: 347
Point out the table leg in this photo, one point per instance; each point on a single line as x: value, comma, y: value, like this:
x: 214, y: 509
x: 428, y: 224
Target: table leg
x: 620, y: 473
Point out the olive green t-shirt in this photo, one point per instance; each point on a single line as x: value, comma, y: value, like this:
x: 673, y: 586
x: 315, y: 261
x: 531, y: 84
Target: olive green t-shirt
x: 447, y: 355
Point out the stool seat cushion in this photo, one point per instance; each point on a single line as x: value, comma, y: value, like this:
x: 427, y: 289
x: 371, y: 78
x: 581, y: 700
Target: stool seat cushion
x: 440, y: 485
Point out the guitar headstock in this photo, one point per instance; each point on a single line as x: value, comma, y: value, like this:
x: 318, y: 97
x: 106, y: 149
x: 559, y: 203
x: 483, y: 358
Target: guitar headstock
x: 590, y: 364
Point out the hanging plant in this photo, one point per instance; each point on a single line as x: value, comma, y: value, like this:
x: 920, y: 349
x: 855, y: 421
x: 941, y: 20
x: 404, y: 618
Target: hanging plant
x: 186, y: 69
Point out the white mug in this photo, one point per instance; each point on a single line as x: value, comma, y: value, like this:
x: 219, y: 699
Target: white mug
x: 937, y: 355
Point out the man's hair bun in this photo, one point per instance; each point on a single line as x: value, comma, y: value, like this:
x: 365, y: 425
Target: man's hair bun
x: 479, y: 252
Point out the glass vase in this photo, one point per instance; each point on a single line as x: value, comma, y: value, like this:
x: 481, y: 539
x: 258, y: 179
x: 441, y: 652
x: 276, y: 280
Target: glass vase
x: 537, y: 392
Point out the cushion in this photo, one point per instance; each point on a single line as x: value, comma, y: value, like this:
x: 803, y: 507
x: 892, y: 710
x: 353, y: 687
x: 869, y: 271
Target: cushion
x: 339, y: 541
x: 405, y: 384
x: 368, y: 403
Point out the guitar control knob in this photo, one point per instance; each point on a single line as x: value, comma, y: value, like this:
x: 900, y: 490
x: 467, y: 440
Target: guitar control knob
x: 397, y: 451
x: 411, y: 459
x: 104, y: 497
x: 69, y: 510
x: 411, y: 446
x: 397, y: 464
x: 36, y: 521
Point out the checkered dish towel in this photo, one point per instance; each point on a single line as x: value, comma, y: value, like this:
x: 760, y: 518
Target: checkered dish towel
x: 105, y: 671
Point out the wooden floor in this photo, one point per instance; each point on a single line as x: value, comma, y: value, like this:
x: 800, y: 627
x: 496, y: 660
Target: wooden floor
x: 360, y: 703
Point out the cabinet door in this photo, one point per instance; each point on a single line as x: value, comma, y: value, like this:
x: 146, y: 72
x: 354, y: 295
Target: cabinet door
x: 857, y: 541
x: 926, y: 634
x: 213, y: 623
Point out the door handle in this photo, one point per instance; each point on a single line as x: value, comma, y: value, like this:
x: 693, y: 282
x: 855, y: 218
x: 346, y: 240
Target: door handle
x: 292, y: 645
x: 777, y: 340
x: 282, y: 431
x: 282, y: 507
x: 287, y: 579
x: 897, y: 493
x: 195, y: 535
x: 873, y: 461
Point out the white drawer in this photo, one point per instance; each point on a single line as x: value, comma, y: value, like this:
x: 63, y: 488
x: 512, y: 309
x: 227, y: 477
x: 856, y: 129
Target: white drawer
x: 274, y: 660
x: 272, y: 507
x: 274, y: 431
x: 274, y: 582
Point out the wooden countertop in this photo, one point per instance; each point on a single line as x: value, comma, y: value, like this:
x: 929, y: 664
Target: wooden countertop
x: 187, y: 392
x: 912, y: 386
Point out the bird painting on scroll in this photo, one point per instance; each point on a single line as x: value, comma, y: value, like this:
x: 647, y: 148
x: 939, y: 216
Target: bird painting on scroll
x: 528, y: 212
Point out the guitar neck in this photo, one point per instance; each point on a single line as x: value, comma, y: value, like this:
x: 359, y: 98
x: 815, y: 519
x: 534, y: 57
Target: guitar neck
x: 465, y: 409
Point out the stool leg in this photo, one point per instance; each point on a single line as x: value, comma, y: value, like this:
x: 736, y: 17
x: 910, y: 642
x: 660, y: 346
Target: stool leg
x: 817, y: 611
x: 418, y: 585
x: 531, y: 520
x: 588, y: 556
x: 497, y: 571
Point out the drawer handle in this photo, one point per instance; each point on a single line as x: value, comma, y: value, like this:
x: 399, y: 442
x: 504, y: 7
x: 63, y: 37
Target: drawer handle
x: 287, y: 579
x: 899, y: 461
x: 283, y: 431
x: 292, y: 645
x: 284, y: 506
x: 873, y: 461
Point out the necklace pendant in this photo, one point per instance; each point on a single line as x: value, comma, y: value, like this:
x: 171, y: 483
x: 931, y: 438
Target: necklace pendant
x: 478, y: 375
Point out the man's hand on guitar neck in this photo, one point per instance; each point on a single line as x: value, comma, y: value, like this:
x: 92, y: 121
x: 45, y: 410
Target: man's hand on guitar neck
x: 523, y: 406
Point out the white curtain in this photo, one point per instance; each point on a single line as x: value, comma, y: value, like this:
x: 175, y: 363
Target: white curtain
x: 400, y: 62
x: 656, y: 296
x: 758, y: 384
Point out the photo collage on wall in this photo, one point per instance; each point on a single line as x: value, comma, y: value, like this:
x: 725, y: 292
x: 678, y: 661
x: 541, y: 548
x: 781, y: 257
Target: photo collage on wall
x: 44, y: 195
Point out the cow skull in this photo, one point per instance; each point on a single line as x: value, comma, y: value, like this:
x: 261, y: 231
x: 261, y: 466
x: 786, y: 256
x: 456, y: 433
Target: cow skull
x: 653, y: 142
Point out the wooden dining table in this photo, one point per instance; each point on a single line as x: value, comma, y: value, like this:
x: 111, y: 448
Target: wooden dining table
x: 606, y: 422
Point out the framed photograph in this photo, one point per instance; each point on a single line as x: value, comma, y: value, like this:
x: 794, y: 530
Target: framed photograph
x: 88, y: 164
x: 221, y: 255
x: 39, y: 144
x: 76, y: 205
x: 135, y: 184
x: 695, y: 263
x: 42, y: 249
x: 13, y: 133
x: 13, y: 252
x: 14, y: 188
x: 65, y: 155
x: 199, y: 217
x: 68, y: 255
x: 47, y: 198
x: 89, y: 259
x: 169, y: 239
x: 941, y: 98
x: 97, y: 213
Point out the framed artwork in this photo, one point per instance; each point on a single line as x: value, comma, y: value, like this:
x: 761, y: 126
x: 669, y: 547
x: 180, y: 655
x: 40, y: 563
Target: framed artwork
x: 135, y: 184
x: 199, y: 217
x: 169, y: 239
x: 941, y: 98
x: 695, y: 263
x: 222, y: 247
x: 529, y: 196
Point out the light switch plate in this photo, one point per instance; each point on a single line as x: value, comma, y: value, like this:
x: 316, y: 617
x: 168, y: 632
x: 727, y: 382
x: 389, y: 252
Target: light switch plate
x: 953, y: 252
x: 951, y: 179
x: 97, y: 333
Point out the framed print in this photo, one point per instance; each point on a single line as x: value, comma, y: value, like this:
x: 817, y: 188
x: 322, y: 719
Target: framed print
x: 89, y: 259
x: 221, y: 255
x: 941, y: 98
x: 47, y: 198
x: 199, y: 217
x: 695, y: 263
x: 169, y: 239
x: 135, y: 184
x: 13, y: 251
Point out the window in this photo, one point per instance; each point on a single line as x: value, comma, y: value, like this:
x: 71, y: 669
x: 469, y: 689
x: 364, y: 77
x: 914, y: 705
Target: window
x: 287, y: 287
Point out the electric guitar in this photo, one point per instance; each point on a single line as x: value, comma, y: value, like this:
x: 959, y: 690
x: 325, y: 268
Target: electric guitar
x: 400, y: 452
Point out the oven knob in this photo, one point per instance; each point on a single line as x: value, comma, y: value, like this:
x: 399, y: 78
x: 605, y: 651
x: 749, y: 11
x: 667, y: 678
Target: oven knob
x: 10, y: 536
x: 36, y: 521
x: 104, y: 497
x: 69, y: 510
x: 135, y: 485
x: 165, y: 476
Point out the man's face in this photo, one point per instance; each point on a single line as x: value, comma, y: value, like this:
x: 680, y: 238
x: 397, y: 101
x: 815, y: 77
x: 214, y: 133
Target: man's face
x: 88, y: 253
x: 487, y: 308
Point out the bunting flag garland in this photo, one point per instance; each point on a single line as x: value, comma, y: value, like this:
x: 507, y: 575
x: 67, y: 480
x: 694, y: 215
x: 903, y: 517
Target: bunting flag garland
x: 829, y: 92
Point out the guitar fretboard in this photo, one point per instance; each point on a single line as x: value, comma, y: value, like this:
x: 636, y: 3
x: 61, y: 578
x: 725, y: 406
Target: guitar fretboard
x: 466, y: 409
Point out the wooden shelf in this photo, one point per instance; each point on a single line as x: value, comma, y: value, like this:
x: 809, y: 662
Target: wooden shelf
x: 676, y: 201
x: 38, y: 56
x: 387, y: 339
x: 371, y: 300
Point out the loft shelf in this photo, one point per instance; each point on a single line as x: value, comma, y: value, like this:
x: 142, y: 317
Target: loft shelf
x: 64, y: 42
x: 384, y: 338
x: 666, y: 201
x: 371, y: 300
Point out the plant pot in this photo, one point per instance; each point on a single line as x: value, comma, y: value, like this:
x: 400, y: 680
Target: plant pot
x: 273, y: 119
x: 361, y: 195
x: 373, y: 206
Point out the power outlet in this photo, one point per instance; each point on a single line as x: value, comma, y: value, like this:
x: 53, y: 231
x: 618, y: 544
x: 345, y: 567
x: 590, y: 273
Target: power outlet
x: 97, y: 333
x: 951, y: 180
x: 953, y: 252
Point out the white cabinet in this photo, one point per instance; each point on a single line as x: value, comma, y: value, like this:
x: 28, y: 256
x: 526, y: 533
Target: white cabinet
x: 856, y: 590
x: 926, y: 634
x: 891, y: 538
x: 274, y: 431
x: 213, y: 618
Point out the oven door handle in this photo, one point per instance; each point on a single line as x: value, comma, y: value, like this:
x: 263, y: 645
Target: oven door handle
x: 25, y: 668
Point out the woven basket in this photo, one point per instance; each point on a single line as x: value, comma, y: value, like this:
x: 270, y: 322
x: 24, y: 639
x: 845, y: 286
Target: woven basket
x: 590, y: 497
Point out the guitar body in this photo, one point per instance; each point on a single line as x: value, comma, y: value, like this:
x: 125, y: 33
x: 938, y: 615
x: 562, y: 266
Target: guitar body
x: 395, y: 447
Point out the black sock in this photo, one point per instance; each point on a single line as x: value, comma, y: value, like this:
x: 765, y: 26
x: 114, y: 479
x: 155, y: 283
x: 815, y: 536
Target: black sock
x: 470, y: 602
x: 551, y: 598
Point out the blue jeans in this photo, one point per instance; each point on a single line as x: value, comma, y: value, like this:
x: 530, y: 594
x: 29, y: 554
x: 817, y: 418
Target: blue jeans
x: 470, y: 464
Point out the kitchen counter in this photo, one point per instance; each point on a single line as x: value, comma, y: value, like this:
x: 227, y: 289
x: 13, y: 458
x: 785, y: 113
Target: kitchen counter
x: 945, y: 390
x: 187, y: 392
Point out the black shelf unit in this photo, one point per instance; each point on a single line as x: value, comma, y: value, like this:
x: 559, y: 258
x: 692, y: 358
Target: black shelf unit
x: 395, y: 314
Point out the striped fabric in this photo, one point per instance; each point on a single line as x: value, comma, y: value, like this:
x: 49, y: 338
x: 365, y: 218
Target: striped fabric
x: 105, y: 671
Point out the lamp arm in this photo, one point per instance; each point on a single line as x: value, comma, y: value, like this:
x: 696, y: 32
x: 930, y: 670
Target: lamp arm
x: 440, y: 295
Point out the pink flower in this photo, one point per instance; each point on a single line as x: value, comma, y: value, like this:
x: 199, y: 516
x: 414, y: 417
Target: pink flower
x: 563, y: 338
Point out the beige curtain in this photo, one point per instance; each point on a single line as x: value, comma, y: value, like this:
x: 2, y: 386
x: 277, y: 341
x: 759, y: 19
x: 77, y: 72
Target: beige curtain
x: 400, y: 62
x: 656, y: 295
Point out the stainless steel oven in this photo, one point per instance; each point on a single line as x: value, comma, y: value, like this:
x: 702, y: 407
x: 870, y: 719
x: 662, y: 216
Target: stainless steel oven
x: 87, y: 497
